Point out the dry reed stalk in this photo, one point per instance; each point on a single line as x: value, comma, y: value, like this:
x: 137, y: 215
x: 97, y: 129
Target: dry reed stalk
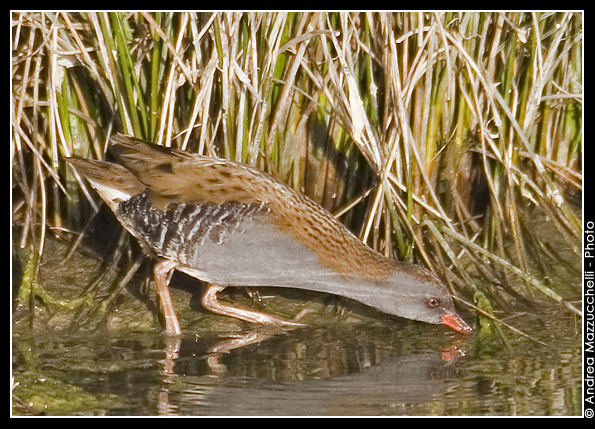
x: 461, y: 118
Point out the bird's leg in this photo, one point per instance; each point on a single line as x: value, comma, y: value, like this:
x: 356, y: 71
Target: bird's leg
x: 162, y: 271
x: 210, y: 302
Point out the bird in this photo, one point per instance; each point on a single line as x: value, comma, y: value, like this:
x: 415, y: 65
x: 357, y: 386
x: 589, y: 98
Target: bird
x: 231, y: 225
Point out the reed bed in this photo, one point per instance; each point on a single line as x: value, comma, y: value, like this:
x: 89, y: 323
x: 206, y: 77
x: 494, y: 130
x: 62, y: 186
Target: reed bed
x: 435, y: 136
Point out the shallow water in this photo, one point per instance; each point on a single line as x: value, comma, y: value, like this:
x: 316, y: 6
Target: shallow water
x: 405, y: 369
x: 351, y: 364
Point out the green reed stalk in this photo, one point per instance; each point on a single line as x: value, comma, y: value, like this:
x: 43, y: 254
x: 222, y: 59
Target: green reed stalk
x: 462, y: 118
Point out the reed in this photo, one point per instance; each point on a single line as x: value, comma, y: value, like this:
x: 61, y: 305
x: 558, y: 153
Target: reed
x: 432, y: 134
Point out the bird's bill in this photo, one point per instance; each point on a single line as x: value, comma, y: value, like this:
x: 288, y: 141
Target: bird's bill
x: 454, y: 321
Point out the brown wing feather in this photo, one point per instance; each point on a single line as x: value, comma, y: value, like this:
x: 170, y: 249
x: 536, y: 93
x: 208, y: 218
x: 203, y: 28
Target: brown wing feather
x: 174, y: 176
x: 112, y: 182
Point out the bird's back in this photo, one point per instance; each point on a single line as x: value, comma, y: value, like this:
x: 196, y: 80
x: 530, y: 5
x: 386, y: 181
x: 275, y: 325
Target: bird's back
x: 211, y: 214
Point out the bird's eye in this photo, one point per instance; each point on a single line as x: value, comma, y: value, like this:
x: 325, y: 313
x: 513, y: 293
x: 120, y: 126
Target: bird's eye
x: 433, y: 302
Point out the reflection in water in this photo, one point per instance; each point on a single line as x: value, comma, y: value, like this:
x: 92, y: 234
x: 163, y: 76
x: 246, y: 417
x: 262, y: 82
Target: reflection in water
x: 300, y: 373
x: 365, y: 369
x: 169, y: 377
x: 402, y: 379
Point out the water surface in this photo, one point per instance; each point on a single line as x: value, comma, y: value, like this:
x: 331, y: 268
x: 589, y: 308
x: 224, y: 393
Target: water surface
x: 356, y: 363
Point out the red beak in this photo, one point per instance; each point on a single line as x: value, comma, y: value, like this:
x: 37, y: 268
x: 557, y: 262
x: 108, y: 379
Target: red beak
x: 454, y: 321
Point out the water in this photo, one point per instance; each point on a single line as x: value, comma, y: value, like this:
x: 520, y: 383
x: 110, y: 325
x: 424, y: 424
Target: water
x: 357, y: 363
x: 406, y: 369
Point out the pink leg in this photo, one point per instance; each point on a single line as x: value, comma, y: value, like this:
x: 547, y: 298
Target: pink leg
x: 210, y: 302
x: 161, y: 271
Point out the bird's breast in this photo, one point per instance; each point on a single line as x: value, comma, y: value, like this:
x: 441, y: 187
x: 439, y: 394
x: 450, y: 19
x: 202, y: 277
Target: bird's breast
x: 231, y: 243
